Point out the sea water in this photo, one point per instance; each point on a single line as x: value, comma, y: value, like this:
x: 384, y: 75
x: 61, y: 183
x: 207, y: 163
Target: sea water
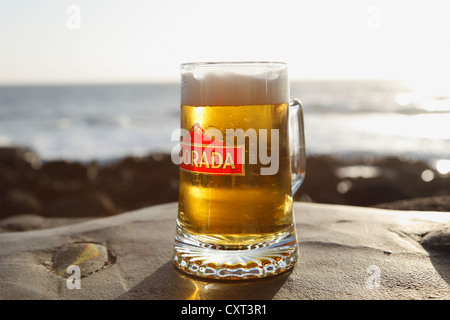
x: 104, y: 122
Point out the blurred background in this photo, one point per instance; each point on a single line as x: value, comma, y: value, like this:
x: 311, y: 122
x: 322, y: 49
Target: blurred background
x: 89, y: 97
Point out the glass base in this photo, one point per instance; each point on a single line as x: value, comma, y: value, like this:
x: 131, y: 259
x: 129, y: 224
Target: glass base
x: 258, y: 261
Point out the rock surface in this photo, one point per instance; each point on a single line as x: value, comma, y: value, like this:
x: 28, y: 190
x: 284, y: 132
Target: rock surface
x: 436, y: 203
x: 26, y: 222
x: 345, y: 253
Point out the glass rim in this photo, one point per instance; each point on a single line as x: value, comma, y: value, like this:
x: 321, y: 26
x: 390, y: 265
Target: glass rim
x: 218, y: 64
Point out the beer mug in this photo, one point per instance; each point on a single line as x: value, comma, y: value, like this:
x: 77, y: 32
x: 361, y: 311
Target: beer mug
x: 242, y: 157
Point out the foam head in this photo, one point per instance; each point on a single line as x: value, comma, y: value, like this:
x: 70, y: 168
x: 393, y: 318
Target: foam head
x: 242, y: 83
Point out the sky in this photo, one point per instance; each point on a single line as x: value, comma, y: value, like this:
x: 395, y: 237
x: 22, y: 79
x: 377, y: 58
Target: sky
x: 107, y: 41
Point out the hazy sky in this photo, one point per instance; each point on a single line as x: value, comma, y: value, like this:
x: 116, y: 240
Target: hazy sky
x: 55, y: 41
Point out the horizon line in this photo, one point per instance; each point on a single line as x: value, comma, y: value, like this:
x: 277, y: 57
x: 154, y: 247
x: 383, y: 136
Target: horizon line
x: 164, y: 81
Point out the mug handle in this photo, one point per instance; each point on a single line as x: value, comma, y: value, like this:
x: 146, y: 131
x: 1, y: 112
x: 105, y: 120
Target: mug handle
x: 296, y: 144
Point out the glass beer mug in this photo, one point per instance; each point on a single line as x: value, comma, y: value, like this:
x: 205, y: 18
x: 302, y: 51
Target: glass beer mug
x: 242, y: 157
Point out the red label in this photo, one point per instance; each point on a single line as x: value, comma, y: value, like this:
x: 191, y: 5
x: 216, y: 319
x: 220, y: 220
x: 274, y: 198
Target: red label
x: 200, y: 153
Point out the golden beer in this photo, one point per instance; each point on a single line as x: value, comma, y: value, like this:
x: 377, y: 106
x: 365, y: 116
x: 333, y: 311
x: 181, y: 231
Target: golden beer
x: 235, y: 211
x: 235, y: 217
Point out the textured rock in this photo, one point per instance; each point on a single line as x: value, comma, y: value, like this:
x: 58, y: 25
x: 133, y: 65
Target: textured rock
x: 62, y: 188
x: 436, y: 203
x: 88, y: 203
x: 19, y: 157
x: 26, y: 222
x: 438, y: 239
x: 345, y: 253
x: 89, y: 257
x: 17, y: 201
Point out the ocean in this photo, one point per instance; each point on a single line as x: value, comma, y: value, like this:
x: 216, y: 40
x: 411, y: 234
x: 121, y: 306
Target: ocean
x: 106, y: 122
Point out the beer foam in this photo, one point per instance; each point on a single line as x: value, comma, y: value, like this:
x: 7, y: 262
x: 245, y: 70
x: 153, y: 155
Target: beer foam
x: 234, y: 84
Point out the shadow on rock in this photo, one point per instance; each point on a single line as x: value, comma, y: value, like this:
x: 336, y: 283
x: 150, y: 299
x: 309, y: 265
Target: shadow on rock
x: 169, y: 283
x: 437, y: 244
